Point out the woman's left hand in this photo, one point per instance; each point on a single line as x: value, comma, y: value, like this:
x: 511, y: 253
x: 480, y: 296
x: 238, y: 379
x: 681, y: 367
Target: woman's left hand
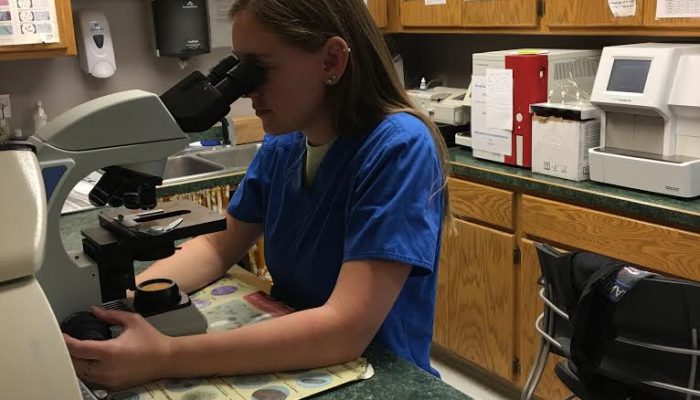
x: 139, y: 355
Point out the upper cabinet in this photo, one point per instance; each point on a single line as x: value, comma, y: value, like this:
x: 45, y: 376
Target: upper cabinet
x: 499, y: 14
x: 378, y: 10
x: 588, y: 17
x: 650, y: 19
x: 65, y: 47
x: 421, y: 13
x: 588, y: 14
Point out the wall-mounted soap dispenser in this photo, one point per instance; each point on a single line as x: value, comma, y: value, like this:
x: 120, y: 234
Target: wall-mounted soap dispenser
x: 181, y: 28
x: 95, y: 44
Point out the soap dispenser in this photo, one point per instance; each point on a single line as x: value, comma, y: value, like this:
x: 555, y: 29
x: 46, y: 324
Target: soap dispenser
x: 95, y: 44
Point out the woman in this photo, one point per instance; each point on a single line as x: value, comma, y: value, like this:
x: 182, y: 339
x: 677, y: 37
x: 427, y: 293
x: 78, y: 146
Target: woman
x: 348, y: 190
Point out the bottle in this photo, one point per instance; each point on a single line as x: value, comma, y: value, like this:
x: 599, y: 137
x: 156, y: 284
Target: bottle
x: 40, y: 117
x: 423, y: 85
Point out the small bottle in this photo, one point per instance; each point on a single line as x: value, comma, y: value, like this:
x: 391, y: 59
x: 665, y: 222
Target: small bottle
x: 423, y: 85
x: 40, y: 117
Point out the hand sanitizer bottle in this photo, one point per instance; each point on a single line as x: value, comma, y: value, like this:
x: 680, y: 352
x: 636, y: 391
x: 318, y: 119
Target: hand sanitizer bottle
x: 40, y: 117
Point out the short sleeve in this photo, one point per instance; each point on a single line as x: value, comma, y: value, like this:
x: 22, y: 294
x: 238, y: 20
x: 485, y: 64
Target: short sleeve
x: 247, y: 203
x: 396, y: 207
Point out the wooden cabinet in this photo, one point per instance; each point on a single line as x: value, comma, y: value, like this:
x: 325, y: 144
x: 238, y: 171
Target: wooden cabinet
x: 378, y: 10
x: 588, y: 14
x: 650, y: 19
x: 500, y: 14
x: 478, y: 275
x: 415, y: 13
x: 65, y: 47
x: 488, y: 300
x: 475, y: 307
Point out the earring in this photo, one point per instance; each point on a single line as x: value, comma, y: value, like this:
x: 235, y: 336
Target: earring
x: 347, y: 50
x: 331, y: 79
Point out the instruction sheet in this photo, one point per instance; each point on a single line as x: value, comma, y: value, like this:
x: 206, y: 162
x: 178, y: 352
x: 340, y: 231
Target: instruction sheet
x: 229, y: 304
x: 28, y: 22
x: 677, y: 8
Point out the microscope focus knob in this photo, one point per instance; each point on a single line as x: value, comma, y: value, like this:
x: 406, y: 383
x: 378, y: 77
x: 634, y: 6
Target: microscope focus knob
x: 85, y: 326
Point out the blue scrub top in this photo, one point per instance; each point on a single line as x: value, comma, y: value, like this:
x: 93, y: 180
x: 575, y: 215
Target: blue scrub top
x: 377, y: 196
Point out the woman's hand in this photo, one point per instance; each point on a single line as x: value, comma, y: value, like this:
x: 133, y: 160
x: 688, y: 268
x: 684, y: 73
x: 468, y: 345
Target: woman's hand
x: 139, y: 355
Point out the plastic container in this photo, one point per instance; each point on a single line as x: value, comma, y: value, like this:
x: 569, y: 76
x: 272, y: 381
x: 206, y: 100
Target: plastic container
x: 40, y: 117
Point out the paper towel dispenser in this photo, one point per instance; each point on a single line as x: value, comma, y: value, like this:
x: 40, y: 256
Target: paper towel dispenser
x: 181, y: 28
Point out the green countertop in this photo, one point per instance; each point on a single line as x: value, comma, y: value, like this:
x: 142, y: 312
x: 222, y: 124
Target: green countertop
x: 394, y: 377
x: 617, y: 200
x: 661, y: 209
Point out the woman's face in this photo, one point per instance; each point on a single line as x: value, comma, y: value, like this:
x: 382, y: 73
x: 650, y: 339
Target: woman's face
x: 292, y: 95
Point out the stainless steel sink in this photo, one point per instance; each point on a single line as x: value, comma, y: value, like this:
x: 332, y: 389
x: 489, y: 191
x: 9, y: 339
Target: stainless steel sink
x: 236, y: 157
x: 186, y: 166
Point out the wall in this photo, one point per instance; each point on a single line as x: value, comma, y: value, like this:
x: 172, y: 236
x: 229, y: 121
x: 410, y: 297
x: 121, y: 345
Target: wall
x: 60, y: 83
x: 448, y: 56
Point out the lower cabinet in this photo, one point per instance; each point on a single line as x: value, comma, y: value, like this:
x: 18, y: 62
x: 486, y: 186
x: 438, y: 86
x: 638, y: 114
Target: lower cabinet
x: 488, y: 297
x: 475, y: 313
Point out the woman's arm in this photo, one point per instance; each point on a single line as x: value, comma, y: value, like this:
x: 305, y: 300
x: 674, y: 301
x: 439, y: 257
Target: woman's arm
x: 207, y: 257
x: 336, y: 332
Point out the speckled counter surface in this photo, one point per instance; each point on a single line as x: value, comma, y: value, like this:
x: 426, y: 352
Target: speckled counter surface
x: 665, y: 210
x: 394, y: 377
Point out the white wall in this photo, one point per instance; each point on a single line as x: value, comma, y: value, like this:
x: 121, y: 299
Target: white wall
x: 60, y: 83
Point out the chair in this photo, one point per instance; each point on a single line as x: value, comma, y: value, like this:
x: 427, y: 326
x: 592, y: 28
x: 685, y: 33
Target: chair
x: 644, y: 347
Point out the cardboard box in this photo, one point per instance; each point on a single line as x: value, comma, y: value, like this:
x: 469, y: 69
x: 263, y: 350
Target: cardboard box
x: 560, y: 146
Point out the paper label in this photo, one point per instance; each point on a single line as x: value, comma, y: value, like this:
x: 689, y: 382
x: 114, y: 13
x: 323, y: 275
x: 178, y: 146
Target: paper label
x: 499, y: 98
x: 487, y: 139
x: 623, y: 8
x: 677, y: 9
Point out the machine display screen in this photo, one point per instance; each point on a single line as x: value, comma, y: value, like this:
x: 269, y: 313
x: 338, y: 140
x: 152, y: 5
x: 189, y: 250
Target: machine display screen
x: 629, y: 76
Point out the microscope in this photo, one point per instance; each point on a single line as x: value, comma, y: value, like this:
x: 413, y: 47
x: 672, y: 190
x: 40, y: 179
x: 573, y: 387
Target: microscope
x: 128, y: 135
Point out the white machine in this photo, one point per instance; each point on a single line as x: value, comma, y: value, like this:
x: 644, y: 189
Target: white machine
x: 538, y: 75
x: 444, y: 105
x: 130, y: 136
x: 649, y: 95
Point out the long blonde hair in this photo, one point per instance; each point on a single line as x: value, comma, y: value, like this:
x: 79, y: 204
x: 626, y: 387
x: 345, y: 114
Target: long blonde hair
x: 369, y: 89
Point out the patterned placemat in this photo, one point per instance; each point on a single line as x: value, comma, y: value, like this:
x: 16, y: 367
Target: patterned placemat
x: 228, y: 304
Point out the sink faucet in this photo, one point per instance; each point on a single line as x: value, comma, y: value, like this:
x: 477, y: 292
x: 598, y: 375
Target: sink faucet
x: 228, y: 132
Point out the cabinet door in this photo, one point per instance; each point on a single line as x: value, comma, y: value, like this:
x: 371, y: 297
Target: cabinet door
x: 587, y: 13
x: 480, y: 296
x: 650, y: 17
x: 378, y: 10
x: 530, y: 306
x: 417, y: 13
x: 505, y: 13
x: 441, y: 331
x: 66, y: 46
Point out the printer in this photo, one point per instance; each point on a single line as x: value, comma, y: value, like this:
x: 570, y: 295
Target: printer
x: 538, y: 75
x: 649, y: 99
x: 446, y: 107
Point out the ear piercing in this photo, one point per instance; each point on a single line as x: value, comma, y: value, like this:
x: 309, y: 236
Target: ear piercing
x: 331, y: 79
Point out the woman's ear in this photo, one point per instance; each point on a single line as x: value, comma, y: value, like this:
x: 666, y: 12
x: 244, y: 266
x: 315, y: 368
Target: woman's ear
x: 336, y: 54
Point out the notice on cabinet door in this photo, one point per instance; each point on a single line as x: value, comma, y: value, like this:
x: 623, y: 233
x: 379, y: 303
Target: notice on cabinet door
x: 623, y: 8
x: 435, y: 2
x: 219, y: 22
x: 677, y: 9
x: 28, y: 22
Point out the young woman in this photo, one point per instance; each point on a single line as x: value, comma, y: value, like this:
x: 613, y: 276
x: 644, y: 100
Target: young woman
x: 348, y: 190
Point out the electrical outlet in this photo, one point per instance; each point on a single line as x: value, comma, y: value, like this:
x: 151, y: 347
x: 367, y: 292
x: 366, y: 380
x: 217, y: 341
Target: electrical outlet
x: 5, y: 110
